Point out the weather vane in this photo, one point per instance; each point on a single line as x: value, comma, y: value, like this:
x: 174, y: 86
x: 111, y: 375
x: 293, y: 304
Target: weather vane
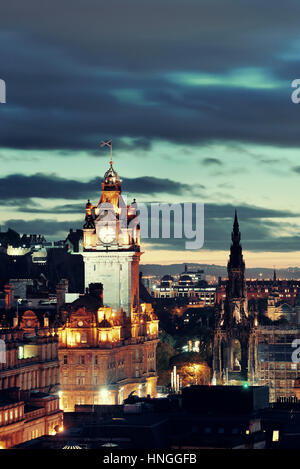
x: 109, y: 145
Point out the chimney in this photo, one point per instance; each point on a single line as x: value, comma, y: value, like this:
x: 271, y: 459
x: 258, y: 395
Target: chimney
x: 61, y: 290
x: 8, y: 290
x: 96, y: 290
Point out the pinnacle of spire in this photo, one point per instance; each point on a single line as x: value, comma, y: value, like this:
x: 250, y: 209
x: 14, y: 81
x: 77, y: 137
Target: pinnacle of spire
x: 236, y: 235
x: 236, y: 255
x: 236, y: 222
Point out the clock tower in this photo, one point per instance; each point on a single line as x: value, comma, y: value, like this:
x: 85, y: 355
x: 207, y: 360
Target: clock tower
x: 111, y: 246
x: 107, y: 338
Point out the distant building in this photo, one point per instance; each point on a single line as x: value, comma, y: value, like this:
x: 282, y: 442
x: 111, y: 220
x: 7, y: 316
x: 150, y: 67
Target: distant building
x: 286, y: 290
x: 190, y: 285
x: 275, y: 367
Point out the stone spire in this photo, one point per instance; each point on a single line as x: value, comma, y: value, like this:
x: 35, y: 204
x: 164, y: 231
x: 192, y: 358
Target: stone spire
x: 236, y: 264
x: 236, y: 256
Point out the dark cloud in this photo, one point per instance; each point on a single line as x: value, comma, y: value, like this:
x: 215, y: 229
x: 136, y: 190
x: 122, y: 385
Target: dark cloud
x: 76, y: 75
x: 212, y: 162
x: 63, y: 87
x: 245, y: 212
x: 18, y: 186
x: 210, y: 34
x: 258, y: 235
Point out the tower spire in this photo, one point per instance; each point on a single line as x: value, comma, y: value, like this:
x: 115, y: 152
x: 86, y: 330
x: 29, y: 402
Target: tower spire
x: 236, y: 264
x: 236, y: 255
x: 236, y: 235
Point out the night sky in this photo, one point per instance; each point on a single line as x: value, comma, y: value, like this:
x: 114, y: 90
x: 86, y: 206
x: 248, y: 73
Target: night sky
x: 196, y: 95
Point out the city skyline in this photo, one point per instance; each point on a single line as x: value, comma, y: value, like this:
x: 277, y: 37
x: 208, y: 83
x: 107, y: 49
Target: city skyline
x: 196, y: 100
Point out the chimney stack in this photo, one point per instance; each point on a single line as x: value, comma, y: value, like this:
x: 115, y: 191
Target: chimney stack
x: 96, y: 289
x: 61, y: 290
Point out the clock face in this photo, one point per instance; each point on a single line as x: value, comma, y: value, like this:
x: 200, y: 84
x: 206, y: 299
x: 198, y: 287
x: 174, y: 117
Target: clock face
x: 107, y: 234
x: 80, y: 323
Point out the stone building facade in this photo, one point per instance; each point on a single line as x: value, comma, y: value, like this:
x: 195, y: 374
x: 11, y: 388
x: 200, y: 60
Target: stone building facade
x: 29, y: 372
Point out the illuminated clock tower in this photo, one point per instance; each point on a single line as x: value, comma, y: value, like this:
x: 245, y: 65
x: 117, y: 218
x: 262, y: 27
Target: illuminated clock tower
x: 111, y: 246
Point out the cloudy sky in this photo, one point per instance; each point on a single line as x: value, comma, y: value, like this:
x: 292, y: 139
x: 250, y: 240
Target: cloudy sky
x: 196, y: 95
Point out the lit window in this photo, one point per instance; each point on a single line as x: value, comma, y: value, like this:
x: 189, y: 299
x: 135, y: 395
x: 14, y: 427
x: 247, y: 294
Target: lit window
x: 275, y: 436
x: 83, y: 338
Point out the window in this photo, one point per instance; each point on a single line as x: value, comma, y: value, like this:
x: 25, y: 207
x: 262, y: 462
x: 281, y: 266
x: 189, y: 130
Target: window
x: 95, y: 379
x: 65, y: 359
x: 80, y: 378
x: 83, y: 338
x: 79, y: 400
x: 82, y: 359
x: 20, y: 352
x: 207, y: 430
x: 275, y: 436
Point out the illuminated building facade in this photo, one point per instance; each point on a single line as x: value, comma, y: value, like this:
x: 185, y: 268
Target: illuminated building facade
x: 190, y: 284
x: 107, y: 338
x: 285, y: 291
x: 29, y: 371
